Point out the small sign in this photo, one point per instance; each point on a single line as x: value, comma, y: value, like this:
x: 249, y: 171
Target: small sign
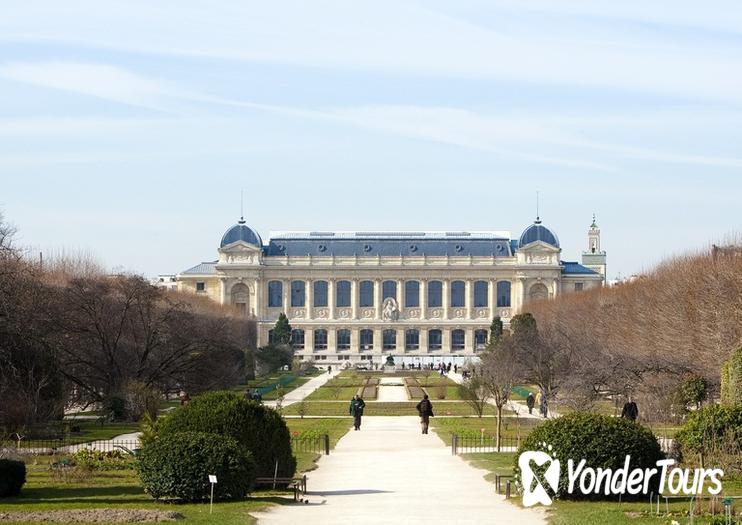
x: 212, y: 479
x: 727, y: 502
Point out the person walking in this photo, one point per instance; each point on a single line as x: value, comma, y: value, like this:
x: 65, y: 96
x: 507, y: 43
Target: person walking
x: 537, y: 400
x: 425, y: 409
x: 530, y: 402
x: 630, y: 410
x: 356, y: 410
x: 544, y: 407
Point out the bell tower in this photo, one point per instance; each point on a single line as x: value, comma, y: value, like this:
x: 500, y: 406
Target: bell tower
x: 594, y: 258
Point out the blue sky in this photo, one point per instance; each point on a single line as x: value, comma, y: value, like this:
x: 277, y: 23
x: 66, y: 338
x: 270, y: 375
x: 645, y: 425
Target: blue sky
x: 128, y: 129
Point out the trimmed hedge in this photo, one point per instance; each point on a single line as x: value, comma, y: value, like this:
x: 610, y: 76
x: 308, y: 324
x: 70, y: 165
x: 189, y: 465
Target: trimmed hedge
x: 12, y: 477
x: 177, y: 466
x: 711, y: 428
x: 603, y: 441
x: 731, y: 380
x: 259, y: 429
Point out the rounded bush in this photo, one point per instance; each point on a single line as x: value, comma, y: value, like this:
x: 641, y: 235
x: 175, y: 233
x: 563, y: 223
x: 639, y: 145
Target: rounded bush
x: 259, y: 429
x: 12, y: 477
x: 711, y: 429
x: 602, y: 441
x: 177, y: 467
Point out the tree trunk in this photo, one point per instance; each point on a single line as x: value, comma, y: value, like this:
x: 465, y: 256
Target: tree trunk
x: 499, y: 420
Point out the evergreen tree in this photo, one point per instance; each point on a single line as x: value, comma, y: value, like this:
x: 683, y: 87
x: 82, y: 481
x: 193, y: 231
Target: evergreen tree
x: 282, y: 331
x: 496, y: 330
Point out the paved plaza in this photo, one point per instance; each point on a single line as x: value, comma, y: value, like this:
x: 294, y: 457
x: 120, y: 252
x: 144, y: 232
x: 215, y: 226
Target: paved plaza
x: 390, y: 473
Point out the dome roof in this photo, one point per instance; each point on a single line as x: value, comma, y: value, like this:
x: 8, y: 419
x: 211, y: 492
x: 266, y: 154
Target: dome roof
x: 241, y: 232
x: 538, y: 232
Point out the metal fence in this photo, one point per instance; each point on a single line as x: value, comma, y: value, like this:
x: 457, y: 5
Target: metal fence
x: 314, y: 444
x: 483, y: 443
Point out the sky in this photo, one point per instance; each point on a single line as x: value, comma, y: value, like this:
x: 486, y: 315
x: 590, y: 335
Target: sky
x: 129, y: 128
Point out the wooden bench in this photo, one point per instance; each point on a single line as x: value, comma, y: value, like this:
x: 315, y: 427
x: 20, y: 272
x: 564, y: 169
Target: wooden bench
x: 297, y: 485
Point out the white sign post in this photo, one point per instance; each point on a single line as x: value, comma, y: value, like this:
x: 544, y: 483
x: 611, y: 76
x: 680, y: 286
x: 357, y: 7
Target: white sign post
x: 212, y: 480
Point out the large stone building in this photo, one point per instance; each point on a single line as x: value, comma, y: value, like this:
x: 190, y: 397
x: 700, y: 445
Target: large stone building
x: 359, y: 296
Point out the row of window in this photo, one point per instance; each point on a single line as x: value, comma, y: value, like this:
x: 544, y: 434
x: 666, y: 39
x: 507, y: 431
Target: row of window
x: 388, y: 289
x: 389, y: 339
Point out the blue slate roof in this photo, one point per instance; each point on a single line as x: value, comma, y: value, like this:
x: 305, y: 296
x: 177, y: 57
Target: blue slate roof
x: 241, y: 232
x: 370, y: 244
x: 205, y: 268
x: 575, y: 268
x: 538, y: 232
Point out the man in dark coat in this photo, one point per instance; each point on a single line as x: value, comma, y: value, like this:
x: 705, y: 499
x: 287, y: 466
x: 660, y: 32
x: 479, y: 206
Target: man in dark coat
x: 630, y: 410
x: 356, y: 410
x: 530, y: 402
x: 425, y: 409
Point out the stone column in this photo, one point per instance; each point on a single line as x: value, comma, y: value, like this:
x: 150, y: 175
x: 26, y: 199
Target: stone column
x: 400, y: 293
x: 492, y: 297
x: 400, y: 341
x: 354, y: 299
x: 331, y: 298
x: 309, y: 340
x: 469, y: 298
x: 223, y: 291
x: 469, y: 342
x: 446, y: 340
x: 423, y: 341
x: 377, y: 297
x: 332, y: 340
x: 378, y: 340
x: 423, y: 298
x: 446, y: 298
x: 309, y: 298
x: 355, y: 340
x: 256, y: 304
x: 286, y: 296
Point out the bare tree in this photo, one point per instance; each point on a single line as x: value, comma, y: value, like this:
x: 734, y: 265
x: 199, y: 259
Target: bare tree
x: 499, y: 372
x: 474, y: 392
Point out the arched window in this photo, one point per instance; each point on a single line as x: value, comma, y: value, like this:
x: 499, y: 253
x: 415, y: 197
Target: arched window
x: 481, y: 290
x: 367, y: 339
x: 320, y: 293
x: 343, y: 339
x: 538, y: 292
x: 435, y: 294
x: 390, y: 339
x: 320, y: 339
x: 297, y: 293
x: 389, y: 289
x: 412, y: 339
x: 241, y: 297
x: 275, y: 294
x: 411, y: 294
x: 342, y: 294
x: 435, y: 340
x: 503, y: 293
x: 366, y: 293
x: 458, y: 340
x: 297, y: 339
x: 458, y: 293
x: 480, y: 339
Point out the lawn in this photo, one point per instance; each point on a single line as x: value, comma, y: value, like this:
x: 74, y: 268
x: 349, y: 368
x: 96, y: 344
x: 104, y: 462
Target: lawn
x: 315, y: 428
x: 471, y: 427
x: 373, y: 408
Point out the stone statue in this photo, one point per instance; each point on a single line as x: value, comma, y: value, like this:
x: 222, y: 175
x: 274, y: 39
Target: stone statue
x: 390, y: 310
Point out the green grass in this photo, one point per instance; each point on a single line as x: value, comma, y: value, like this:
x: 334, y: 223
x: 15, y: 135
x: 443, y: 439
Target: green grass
x: 471, y: 427
x: 374, y: 408
x: 325, y: 393
x: 335, y: 428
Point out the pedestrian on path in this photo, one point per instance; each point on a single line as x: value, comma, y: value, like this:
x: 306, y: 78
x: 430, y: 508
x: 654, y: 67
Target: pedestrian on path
x: 530, y: 402
x: 630, y: 410
x: 537, y: 401
x: 329, y: 369
x: 544, y: 405
x: 425, y: 409
x: 356, y: 410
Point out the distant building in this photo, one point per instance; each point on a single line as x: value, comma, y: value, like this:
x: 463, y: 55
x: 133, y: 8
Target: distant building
x: 359, y: 296
x: 167, y: 281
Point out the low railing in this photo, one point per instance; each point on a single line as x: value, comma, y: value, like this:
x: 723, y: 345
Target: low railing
x: 313, y: 444
x: 69, y: 446
x: 483, y: 443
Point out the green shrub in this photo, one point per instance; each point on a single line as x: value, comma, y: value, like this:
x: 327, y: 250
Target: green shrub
x: 731, y: 380
x: 713, y: 435
x: 177, y: 467
x: 98, y: 460
x: 603, y: 441
x: 12, y: 477
x: 259, y: 429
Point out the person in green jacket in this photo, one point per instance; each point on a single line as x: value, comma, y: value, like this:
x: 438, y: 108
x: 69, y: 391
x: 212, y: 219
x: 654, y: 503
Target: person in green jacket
x: 356, y: 410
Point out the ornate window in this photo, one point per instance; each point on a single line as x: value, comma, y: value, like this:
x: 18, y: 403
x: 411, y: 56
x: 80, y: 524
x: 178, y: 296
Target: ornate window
x: 390, y: 339
x: 241, y: 297
x: 367, y: 339
x: 435, y: 340
x: 412, y: 339
x: 538, y: 292
x: 275, y: 294
x: 320, y: 339
x: 297, y: 293
x: 480, y: 339
x: 366, y: 293
x: 481, y: 290
x: 458, y: 340
x: 342, y: 294
x: 343, y: 339
x: 297, y: 339
x: 503, y: 293
x: 458, y: 293
x: 411, y: 294
x: 435, y: 294
x: 320, y: 293
x: 389, y: 289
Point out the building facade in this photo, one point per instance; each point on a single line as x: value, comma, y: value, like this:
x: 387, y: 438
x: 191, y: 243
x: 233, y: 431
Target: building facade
x: 359, y: 296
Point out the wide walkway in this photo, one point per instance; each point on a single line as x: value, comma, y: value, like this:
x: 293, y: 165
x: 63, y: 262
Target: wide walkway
x: 296, y: 395
x: 390, y: 473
